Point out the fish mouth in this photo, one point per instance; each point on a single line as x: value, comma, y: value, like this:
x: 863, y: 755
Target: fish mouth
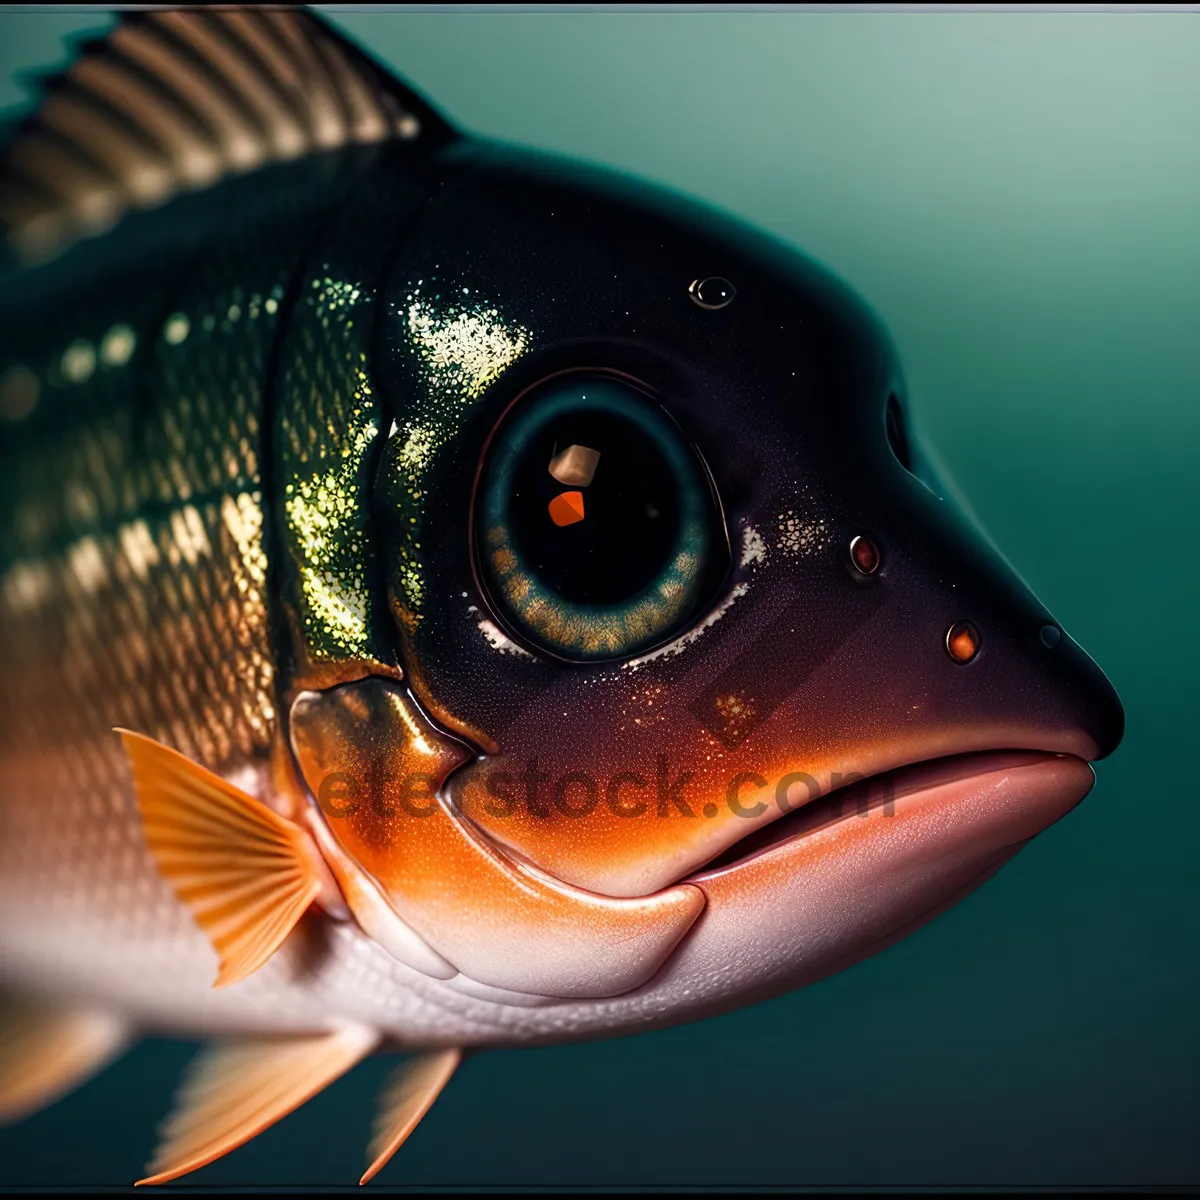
x: 1029, y: 790
x: 856, y: 870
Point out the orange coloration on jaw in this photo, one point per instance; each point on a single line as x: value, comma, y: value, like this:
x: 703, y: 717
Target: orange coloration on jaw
x: 648, y: 836
x: 652, y: 842
x: 567, y: 509
x: 377, y: 766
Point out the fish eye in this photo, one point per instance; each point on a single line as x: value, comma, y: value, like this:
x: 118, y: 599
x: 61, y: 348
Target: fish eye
x: 897, y: 433
x: 597, y: 530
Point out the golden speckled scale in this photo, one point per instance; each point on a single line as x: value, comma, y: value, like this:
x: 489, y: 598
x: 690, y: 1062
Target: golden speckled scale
x: 135, y: 569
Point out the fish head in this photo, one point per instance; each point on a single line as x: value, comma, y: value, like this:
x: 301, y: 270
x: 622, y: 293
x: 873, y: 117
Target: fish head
x: 669, y: 560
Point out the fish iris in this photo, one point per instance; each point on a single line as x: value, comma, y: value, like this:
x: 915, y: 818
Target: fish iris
x: 597, y: 531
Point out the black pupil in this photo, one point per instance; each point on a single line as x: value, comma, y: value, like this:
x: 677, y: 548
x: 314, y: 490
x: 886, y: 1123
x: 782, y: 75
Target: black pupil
x: 630, y: 509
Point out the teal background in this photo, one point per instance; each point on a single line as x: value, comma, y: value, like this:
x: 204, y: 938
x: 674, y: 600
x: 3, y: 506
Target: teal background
x: 1018, y: 193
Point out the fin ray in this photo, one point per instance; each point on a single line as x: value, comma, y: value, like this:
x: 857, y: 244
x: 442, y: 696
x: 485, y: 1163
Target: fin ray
x: 409, y: 1095
x: 246, y: 874
x: 45, y: 1053
x: 232, y: 1092
x: 206, y: 93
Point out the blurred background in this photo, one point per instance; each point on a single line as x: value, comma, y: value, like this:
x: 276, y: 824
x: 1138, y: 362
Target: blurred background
x: 1019, y: 194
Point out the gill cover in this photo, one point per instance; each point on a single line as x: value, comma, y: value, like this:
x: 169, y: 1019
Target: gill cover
x: 380, y: 769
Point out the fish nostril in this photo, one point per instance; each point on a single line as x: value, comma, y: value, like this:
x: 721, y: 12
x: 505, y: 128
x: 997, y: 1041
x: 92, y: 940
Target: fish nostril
x: 1050, y: 636
x: 712, y: 293
x: 962, y: 641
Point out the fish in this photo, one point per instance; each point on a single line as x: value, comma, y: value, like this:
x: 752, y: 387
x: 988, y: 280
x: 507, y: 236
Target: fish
x: 455, y: 597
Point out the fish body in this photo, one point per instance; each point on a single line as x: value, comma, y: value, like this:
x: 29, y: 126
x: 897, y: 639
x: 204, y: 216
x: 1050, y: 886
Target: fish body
x: 292, y: 458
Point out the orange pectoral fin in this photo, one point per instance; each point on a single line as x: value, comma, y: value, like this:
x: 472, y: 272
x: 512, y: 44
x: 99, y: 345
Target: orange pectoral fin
x: 246, y: 873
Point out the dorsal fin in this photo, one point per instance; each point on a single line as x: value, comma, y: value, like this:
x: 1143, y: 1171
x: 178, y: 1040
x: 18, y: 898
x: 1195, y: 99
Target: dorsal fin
x: 174, y: 100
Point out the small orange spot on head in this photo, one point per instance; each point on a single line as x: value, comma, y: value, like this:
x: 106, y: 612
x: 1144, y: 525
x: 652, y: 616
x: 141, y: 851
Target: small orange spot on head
x: 962, y: 641
x: 864, y: 554
x: 567, y: 509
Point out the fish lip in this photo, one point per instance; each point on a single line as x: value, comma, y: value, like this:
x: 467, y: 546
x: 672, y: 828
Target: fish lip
x: 870, y: 794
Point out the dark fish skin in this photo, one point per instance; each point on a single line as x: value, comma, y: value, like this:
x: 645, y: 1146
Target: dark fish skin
x: 785, y: 394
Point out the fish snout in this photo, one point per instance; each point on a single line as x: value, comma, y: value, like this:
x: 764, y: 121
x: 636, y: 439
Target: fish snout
x: 991, y: 654
x: 1090, y: 700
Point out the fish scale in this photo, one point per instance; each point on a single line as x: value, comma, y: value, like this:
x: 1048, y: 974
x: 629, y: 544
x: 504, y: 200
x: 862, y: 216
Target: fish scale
x: 168, y: 449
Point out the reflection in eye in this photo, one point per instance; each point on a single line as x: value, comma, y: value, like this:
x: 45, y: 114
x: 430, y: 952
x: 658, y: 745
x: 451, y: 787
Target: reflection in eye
x: 609, y: 571
x: 567, y: 509
x: 575, y: 466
